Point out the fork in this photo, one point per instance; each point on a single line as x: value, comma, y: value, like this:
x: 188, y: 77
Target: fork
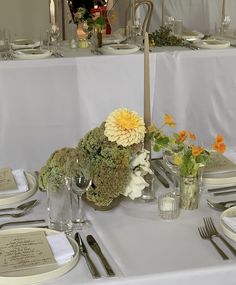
x: 211, y: 229
x: 204, y: 235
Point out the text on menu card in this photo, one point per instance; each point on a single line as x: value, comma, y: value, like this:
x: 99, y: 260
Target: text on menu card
x: 24, y: 250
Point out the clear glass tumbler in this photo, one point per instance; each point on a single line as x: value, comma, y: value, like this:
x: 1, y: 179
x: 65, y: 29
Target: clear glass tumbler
x: 59, y: 207
x: 168, y: 205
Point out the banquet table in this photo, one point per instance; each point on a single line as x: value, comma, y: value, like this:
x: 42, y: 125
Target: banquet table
x: 51, y: 103
x: 144, y: 249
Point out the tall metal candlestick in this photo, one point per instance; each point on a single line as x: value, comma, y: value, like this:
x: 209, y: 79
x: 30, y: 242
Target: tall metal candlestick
x: 148, y: 192
x: 147, y: 108
x: 52, y: 13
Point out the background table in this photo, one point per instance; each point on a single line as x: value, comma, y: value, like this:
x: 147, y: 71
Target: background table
x: 48, y: 104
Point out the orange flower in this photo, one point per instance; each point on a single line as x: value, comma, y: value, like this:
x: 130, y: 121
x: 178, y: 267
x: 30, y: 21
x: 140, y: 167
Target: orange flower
x: 192, y: 136
x: 219, y: 144
x: 168, y: 120
x: 197, y: 150
x: 219, y: 138
x: 182, y: 136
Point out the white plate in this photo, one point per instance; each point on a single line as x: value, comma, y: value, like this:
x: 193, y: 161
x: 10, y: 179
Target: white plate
x: 219, y: 179
x: 231, y: 212
x: 212, y: 44
x: 38, y: 274
x: 112, y: 39
x: 31, y: 54
x: 24, y: 43
x: 192, y: 35
x: 15, y: 198
x: 119, y: 49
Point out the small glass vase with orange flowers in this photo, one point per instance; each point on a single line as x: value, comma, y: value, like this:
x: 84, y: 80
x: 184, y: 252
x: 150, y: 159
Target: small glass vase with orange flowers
x: 186, y: 159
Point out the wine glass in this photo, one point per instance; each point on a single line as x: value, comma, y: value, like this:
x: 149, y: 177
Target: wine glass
x: 225, y: 23
x: 79, y: 183
x: 168, y: 157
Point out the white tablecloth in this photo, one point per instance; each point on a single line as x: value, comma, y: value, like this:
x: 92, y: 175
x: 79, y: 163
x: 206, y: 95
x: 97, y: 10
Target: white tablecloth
x: 144, y: 249
x: 48, y: 104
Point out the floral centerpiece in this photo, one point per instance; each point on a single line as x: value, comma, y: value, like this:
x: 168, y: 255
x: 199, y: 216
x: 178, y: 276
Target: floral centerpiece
x: 113, y: 153
x: 182, y: 151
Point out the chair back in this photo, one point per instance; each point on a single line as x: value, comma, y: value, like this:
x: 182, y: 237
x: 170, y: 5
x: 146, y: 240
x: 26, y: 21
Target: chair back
x: 148, y: 15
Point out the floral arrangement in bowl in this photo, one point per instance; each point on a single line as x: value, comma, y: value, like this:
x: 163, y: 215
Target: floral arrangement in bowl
x: 182, y: 149
x: 113, y: 153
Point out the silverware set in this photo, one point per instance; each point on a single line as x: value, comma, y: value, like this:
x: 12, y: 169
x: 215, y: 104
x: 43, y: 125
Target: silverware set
x: 96, y: 248
x: 20, y: 210
x: 221, y: 206
x: 209, y: 231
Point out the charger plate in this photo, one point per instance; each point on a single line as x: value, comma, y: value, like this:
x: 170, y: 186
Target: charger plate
x: 15, y: 198
x: 212, y: 44
x: 119, y: 49
x: 38, y: 274
x: 231, y: 212
x: 31, y: 54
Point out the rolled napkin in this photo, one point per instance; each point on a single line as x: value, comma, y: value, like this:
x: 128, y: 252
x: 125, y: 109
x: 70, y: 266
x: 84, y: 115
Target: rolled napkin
x: 21, y: 182
x: 61, y: 247
x: 230, y: 222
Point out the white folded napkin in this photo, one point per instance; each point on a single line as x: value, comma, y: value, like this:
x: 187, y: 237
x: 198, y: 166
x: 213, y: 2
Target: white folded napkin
x: 231, y: 222
x: 61, y: 247
x: 21, y: 182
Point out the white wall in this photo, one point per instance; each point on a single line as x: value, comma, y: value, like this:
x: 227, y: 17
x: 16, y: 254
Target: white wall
x: 24, y: 18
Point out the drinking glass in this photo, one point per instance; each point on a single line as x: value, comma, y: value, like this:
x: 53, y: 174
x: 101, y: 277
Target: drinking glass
x: 79, y: 183
x: 225, y: 24
x: 59, y: 205
x: 170, y: 22
x: 54, y: 38
x: 168, y: 158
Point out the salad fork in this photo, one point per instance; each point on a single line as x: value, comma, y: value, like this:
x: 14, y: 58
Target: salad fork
x: 204, y: 235
x: 211, y: 229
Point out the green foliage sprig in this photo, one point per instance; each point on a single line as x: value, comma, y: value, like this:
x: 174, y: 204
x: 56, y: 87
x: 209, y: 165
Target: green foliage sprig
x: 163, y: 37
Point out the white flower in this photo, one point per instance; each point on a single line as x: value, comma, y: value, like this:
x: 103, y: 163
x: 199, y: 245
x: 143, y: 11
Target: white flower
x: 140, y: 166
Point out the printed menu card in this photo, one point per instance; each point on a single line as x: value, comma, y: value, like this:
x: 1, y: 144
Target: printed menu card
x: 24, y: 250
x: 7, y: 180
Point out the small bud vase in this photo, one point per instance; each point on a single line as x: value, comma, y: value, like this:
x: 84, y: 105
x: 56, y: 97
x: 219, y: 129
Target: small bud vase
x: 189, y: 192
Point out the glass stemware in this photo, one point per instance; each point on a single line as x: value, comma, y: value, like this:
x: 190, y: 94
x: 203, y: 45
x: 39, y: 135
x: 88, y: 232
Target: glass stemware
x: 225, y: 24
x: 54, y: 38
x: 79, y: 183
x: 168, y: 157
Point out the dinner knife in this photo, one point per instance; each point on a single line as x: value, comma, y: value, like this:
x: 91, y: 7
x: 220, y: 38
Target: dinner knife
x: 157, y: 163
x: 96, y: 248
x: 161, y: 178
x: 22, y: 223
x: 92, y: 268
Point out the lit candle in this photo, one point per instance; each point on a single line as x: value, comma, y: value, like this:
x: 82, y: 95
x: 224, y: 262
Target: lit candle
x: 52, y: 13
x: 168, y: 204
x: 147, y: 108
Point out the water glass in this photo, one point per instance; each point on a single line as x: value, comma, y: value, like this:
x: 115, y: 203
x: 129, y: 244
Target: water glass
x: 178, y: 28
x: 59, y: 207
x: 168, y: 205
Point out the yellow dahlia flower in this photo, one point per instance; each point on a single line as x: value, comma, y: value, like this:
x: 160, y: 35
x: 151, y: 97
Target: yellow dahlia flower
x: 124, y: 127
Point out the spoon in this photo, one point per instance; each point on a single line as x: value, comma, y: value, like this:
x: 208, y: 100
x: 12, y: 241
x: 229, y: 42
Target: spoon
x: 24, y: 206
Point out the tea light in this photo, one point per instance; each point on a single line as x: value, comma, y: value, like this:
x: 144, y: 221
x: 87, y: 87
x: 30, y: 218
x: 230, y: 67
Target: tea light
x: 168, y: 204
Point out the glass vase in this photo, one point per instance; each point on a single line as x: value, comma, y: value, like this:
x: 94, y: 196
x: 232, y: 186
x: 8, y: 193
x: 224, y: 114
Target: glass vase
x: 189, y: 191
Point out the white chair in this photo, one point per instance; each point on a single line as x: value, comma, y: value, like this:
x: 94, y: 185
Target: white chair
x: 148, y: 15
